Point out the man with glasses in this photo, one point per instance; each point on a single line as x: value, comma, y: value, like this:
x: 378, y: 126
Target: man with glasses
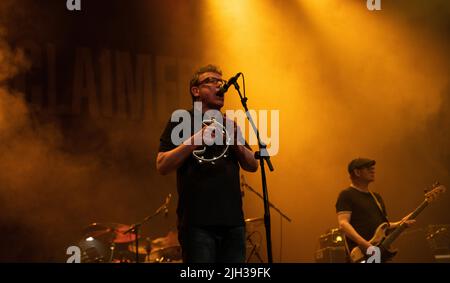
x: 359, y: 210
x: 211, y: 225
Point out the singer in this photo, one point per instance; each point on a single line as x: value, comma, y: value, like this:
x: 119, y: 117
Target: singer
x: 211, y: 225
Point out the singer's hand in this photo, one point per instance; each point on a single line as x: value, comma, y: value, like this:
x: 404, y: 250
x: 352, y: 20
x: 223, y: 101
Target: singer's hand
x: 205, y: 136
x: 238, y: 138
x: 210, y: 133
x: 245, y: 156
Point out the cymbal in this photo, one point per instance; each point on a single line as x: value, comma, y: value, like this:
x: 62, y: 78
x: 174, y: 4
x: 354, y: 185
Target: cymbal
x: 110, y: 232
x: 96, y: 227
x: 256, y: 219
x: 121, y: 237
x: 170, y: 240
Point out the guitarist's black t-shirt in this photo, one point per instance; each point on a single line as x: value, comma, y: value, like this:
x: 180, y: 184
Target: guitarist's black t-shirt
x: 208, y: 194
x: 366, y: 216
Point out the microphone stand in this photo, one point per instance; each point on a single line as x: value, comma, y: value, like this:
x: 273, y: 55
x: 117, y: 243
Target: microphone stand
x: 263, y: 157
x: 135, y: 227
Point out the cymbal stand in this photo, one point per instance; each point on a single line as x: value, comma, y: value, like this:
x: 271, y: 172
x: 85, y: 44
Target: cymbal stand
x: 254, y: 250
x: 135, y: 227
x: 112, y: 248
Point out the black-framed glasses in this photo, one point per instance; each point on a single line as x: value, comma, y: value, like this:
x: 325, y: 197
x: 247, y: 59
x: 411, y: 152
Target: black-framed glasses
x: 212, y: 80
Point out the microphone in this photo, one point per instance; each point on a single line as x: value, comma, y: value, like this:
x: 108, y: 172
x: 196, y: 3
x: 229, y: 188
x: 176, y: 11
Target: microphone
x: 226, y: 86
x: 166, y: 205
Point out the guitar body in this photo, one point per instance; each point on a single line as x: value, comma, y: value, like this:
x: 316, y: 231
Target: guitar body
x: 356, y: 255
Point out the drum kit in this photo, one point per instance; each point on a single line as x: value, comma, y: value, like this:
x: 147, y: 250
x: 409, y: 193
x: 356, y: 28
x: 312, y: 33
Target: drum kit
x: 109, y: 243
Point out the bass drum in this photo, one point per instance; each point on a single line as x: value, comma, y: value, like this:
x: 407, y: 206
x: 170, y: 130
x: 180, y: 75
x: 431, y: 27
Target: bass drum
x: 94, y: 251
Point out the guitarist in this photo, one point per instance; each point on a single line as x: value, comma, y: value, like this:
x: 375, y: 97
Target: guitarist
x: 360, y: 211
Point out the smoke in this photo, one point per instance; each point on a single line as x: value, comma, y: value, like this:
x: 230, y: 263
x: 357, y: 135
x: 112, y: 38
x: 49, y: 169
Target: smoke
x: 58, y: 175
x: 33, y: 169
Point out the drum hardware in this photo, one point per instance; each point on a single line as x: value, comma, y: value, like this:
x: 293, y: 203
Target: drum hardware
x: 251, y: 224
x: 256, y: 220
x: 112, y: 248
x: 254, y: 248
x: 135, y: 227
x: 170, y: 254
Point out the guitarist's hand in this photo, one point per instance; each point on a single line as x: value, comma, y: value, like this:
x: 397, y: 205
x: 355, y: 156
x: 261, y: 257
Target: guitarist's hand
x: 364, y: 245
x: 407, y: 222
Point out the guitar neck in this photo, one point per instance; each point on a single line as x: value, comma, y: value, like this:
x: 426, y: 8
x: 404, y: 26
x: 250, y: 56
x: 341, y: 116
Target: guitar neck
x: 418, y: 210
x: 397, y: 231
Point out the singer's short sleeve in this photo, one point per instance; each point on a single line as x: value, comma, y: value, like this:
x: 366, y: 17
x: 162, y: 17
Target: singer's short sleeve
x: 165, y: 141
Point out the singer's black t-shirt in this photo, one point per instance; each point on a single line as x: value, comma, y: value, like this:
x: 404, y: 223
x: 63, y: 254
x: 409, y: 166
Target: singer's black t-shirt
x: 208, y: 194
x: 366, y: 215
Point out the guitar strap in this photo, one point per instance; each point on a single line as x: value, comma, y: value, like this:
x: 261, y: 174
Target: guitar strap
x: 379, y: 206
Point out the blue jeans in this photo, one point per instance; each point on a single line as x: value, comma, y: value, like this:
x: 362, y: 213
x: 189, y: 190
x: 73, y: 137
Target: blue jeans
x: 212, y: 244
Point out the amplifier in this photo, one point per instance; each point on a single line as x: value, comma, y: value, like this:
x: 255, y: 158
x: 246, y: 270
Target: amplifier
x: 332, y: 238
x: 331, y: 255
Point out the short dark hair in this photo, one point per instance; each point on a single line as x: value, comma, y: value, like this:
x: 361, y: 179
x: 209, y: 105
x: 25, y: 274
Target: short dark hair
x: 195, y: 78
